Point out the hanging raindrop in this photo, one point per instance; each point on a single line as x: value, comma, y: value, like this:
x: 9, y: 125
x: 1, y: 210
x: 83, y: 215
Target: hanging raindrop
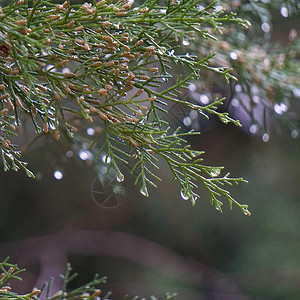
x: 203, y: 99
x: 265, y: 27
x: 106, y: 159
x: 280, y: 108
x: 192, y: 87
x: 238, y: 88
x: 284, y: 12
x: 144, y: 191
x: 193, y: 114
x: 294, y: 133
x: 184, y: 195
x: 256, y: 99
x: 120, y: 177
x: 215, y: 172
x: 235, y: 102
x: 195, y: 153
x: 52, y: 126
x: 187, y: 121
x: 51, y: 68
x: 90, y: 131
x: 265, y: 137
x: 58, y: 175
x: 69, y: 153
x: 85, y: 155
x: 253, y: 128
x: 66, y: 70
x: 233, y: 55
x: 219, y: 8
x: 296, y: 92
x: 185, y: 42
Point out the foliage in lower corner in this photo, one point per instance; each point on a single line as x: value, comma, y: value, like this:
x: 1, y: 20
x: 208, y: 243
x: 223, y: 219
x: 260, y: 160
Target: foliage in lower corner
x: 87, y: 291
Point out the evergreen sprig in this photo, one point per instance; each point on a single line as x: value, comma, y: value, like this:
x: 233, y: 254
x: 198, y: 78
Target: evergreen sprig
x: 266, y: 64
x: 88, y: 291
x: 8, y: 272
x: 106, y: 62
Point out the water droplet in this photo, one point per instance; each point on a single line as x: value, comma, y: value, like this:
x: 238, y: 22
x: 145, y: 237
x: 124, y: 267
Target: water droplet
x: 280, y: 108
x: 66, y: 70
x: 185, y: 42
x: 277, y: 109
x: 219, y: 8
x: 52, y: 126
x: 195, y: 153
x: 184, y: 195
x: 253, y: 128
x: 58, y: 175
x: 284, y: 12
x: 293, y: 34
x: 69, y: 153
x: 233, y: 55
x: 187, y: 121
x: 296, y: 92
x: 29, y: 173
x: 294, y: 133
x: 192, y: 87
x: 256, y: 99
x: 265, y: 27
x: 215, y: 172
x: 171, y: 53
x: 203, y: 99
x: 238, y: 88
x: 90, y: 131
x: 254, y: 89
x: 241, y: 36
x: 85, y: 155
x: 120, y: 177
x: 267, y: 63
x: 50, y: 68
x: 193, y: 114
x: 283, y: 107
x: 144, y: 191
x: 106, y: 159
x: 235, y: 102
x: 265, y: 137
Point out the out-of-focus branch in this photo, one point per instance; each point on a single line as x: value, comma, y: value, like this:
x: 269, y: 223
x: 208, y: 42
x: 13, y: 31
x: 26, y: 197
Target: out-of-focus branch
x: 52, y: 251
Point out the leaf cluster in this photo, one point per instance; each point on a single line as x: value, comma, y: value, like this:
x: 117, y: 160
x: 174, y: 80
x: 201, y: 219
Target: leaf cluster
x: 88, y: 291
x: 266, y: 61
x: 105, y: 62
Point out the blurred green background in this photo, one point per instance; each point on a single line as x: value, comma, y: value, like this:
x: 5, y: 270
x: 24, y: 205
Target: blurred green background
x: 162, y: 243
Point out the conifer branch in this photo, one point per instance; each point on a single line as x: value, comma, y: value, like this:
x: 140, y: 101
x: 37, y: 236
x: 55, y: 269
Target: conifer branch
x: 87, y: 291
x: 105, y: 62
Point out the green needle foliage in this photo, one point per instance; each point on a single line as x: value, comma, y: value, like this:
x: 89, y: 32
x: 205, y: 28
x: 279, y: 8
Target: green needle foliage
x: 266, y: 61
x: 88, y: 291
x: 105, y: 62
